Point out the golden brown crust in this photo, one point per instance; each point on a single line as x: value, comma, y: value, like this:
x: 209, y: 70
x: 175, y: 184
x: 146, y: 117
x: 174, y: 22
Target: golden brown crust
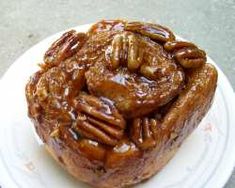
x: 113, y: 105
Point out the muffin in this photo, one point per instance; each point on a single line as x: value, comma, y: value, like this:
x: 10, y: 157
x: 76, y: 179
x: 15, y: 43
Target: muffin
x: 114, y: 104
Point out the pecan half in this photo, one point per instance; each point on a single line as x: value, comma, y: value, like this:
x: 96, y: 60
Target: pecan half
x: 153, y: 31
x: 186, y: 53
x: 98, y: 119
x: 66, y: 46
x: 191, y: 57
x: 144, y: 132
x: 125, y: 49
x: 176, y: 45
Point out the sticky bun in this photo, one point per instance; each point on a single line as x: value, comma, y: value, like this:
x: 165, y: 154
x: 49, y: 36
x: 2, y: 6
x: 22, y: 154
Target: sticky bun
x: 114, y: 104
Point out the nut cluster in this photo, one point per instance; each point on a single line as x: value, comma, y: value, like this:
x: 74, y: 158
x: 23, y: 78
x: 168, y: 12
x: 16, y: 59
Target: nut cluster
x: 126, y: 48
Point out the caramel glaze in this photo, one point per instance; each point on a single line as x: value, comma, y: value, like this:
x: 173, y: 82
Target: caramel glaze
x: 122, y: 107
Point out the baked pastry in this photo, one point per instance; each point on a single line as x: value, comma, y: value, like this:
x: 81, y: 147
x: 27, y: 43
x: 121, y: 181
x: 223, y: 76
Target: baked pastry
x: 114, y: 104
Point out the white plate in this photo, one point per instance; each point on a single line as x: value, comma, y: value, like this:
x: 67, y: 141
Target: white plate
x: 206, y: 158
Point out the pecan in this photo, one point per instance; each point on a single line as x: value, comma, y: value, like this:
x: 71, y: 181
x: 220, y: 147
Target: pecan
x: 191, y: 57
x: 135, y: 54
x: 98, y: 119
x: 125, y: 49
x: 186, y: 53
x: 66, y: 46
x: 175, y: 45
x: 153, y: 31
x: 144, y: 132
x: 117, y: 51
